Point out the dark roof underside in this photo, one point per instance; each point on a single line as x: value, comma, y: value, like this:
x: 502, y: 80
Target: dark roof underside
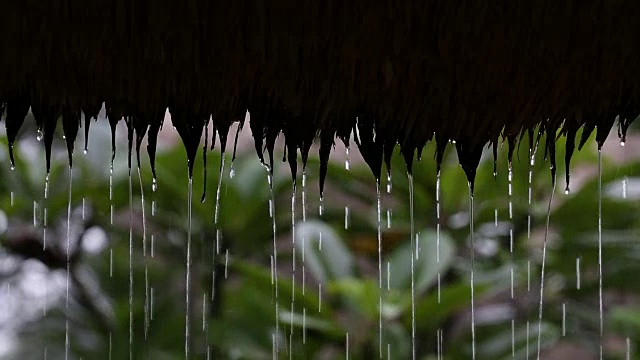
x: 408, y: 71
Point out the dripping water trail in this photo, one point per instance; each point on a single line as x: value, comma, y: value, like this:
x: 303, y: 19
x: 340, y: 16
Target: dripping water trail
x: 274, y: 263
x: 439, y: 286
x: 413, y: 282
x: 293, y: 262
x: 544, y: 257
x: 67, y: 342
x: 438, y: 232
x: 511, y: 266
x: 215, y: 252
x: 304, y: 245
x: 44, y: 236
x: 379, y: 235
x: 472, y: 280
x: 145, y: 255
x: 600, y: 303
x: 130, y: 266
x: 187, y: 312
x: 110, y: 239
x: 532, y: 161
x: 111, y: 209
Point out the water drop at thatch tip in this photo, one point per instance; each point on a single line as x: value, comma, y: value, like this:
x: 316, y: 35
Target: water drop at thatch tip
x: 40, y: 135
x: 154, y: 184
x: 567, y: 190
x: 622, y: 143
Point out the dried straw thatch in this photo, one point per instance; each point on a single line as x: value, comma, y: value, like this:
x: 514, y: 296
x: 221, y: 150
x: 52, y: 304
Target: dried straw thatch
x: 467, y: 70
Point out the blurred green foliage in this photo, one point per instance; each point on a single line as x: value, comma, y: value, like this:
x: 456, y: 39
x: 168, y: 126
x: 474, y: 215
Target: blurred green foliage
x: 333, y: 289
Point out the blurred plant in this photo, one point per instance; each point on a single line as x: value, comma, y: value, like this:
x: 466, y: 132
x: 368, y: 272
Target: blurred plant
x: 332, y: 287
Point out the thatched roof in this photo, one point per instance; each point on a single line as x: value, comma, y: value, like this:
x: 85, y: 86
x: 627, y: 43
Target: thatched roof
x: 466, y: 70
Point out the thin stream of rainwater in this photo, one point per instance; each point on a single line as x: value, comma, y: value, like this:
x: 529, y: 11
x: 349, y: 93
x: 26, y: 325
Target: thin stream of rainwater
x: 472, y: 280
x: 628, y: 349
x: 347, y: 346
x: 413, y: 281
x: 439, y: 286
x: 532, y: 162
x: 379, y: 235
x: 130, y: 266
x: 511, y: 265
x: 44, y: 237
x: 304, y: 220
x: 600, y: 302
x: 577, y: 273
x: 293, y: 262
x: 67, y: 339
x: 438, y: 190
x: 187, y: 312
x: 144, y: 254
x: 274, y: 261
x: 542, y: 268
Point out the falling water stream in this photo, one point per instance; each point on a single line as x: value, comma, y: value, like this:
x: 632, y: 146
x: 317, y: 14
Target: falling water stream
x: 68, y: 269
x: 130, y: 266
x: 413, y: 281
x: 274, y: 265
x: 532, y: 161
x: 600, y: 303
x: 293, y: 264
x: 542, y: 268
x: 304, y: 220
x: 379, y: 238
x: 472, y: 280
x: 144, y: 254
x: 511, y: 261
x: 187, y: 312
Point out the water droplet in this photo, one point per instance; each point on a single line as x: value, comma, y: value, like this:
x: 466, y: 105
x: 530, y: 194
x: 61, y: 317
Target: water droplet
x: 567, y: 190
x: 622, y: 143
x: 13, y: 167
x: 347, y: 219
x: 628, y: 349
x: 154, y: 184
x: 389, y: 184
x: 564, y: 319
x: 226, y: 262
x: 321, y: 207
x: 85, y: 152
x: 347, y: 161
x: 389, y: 214
x: 40, y: 135
x: 232, y: 171
x: 347, y: 346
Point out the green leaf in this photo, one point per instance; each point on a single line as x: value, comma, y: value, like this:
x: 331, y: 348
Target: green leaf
x: 323, y: 251
x: 432, y: 259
